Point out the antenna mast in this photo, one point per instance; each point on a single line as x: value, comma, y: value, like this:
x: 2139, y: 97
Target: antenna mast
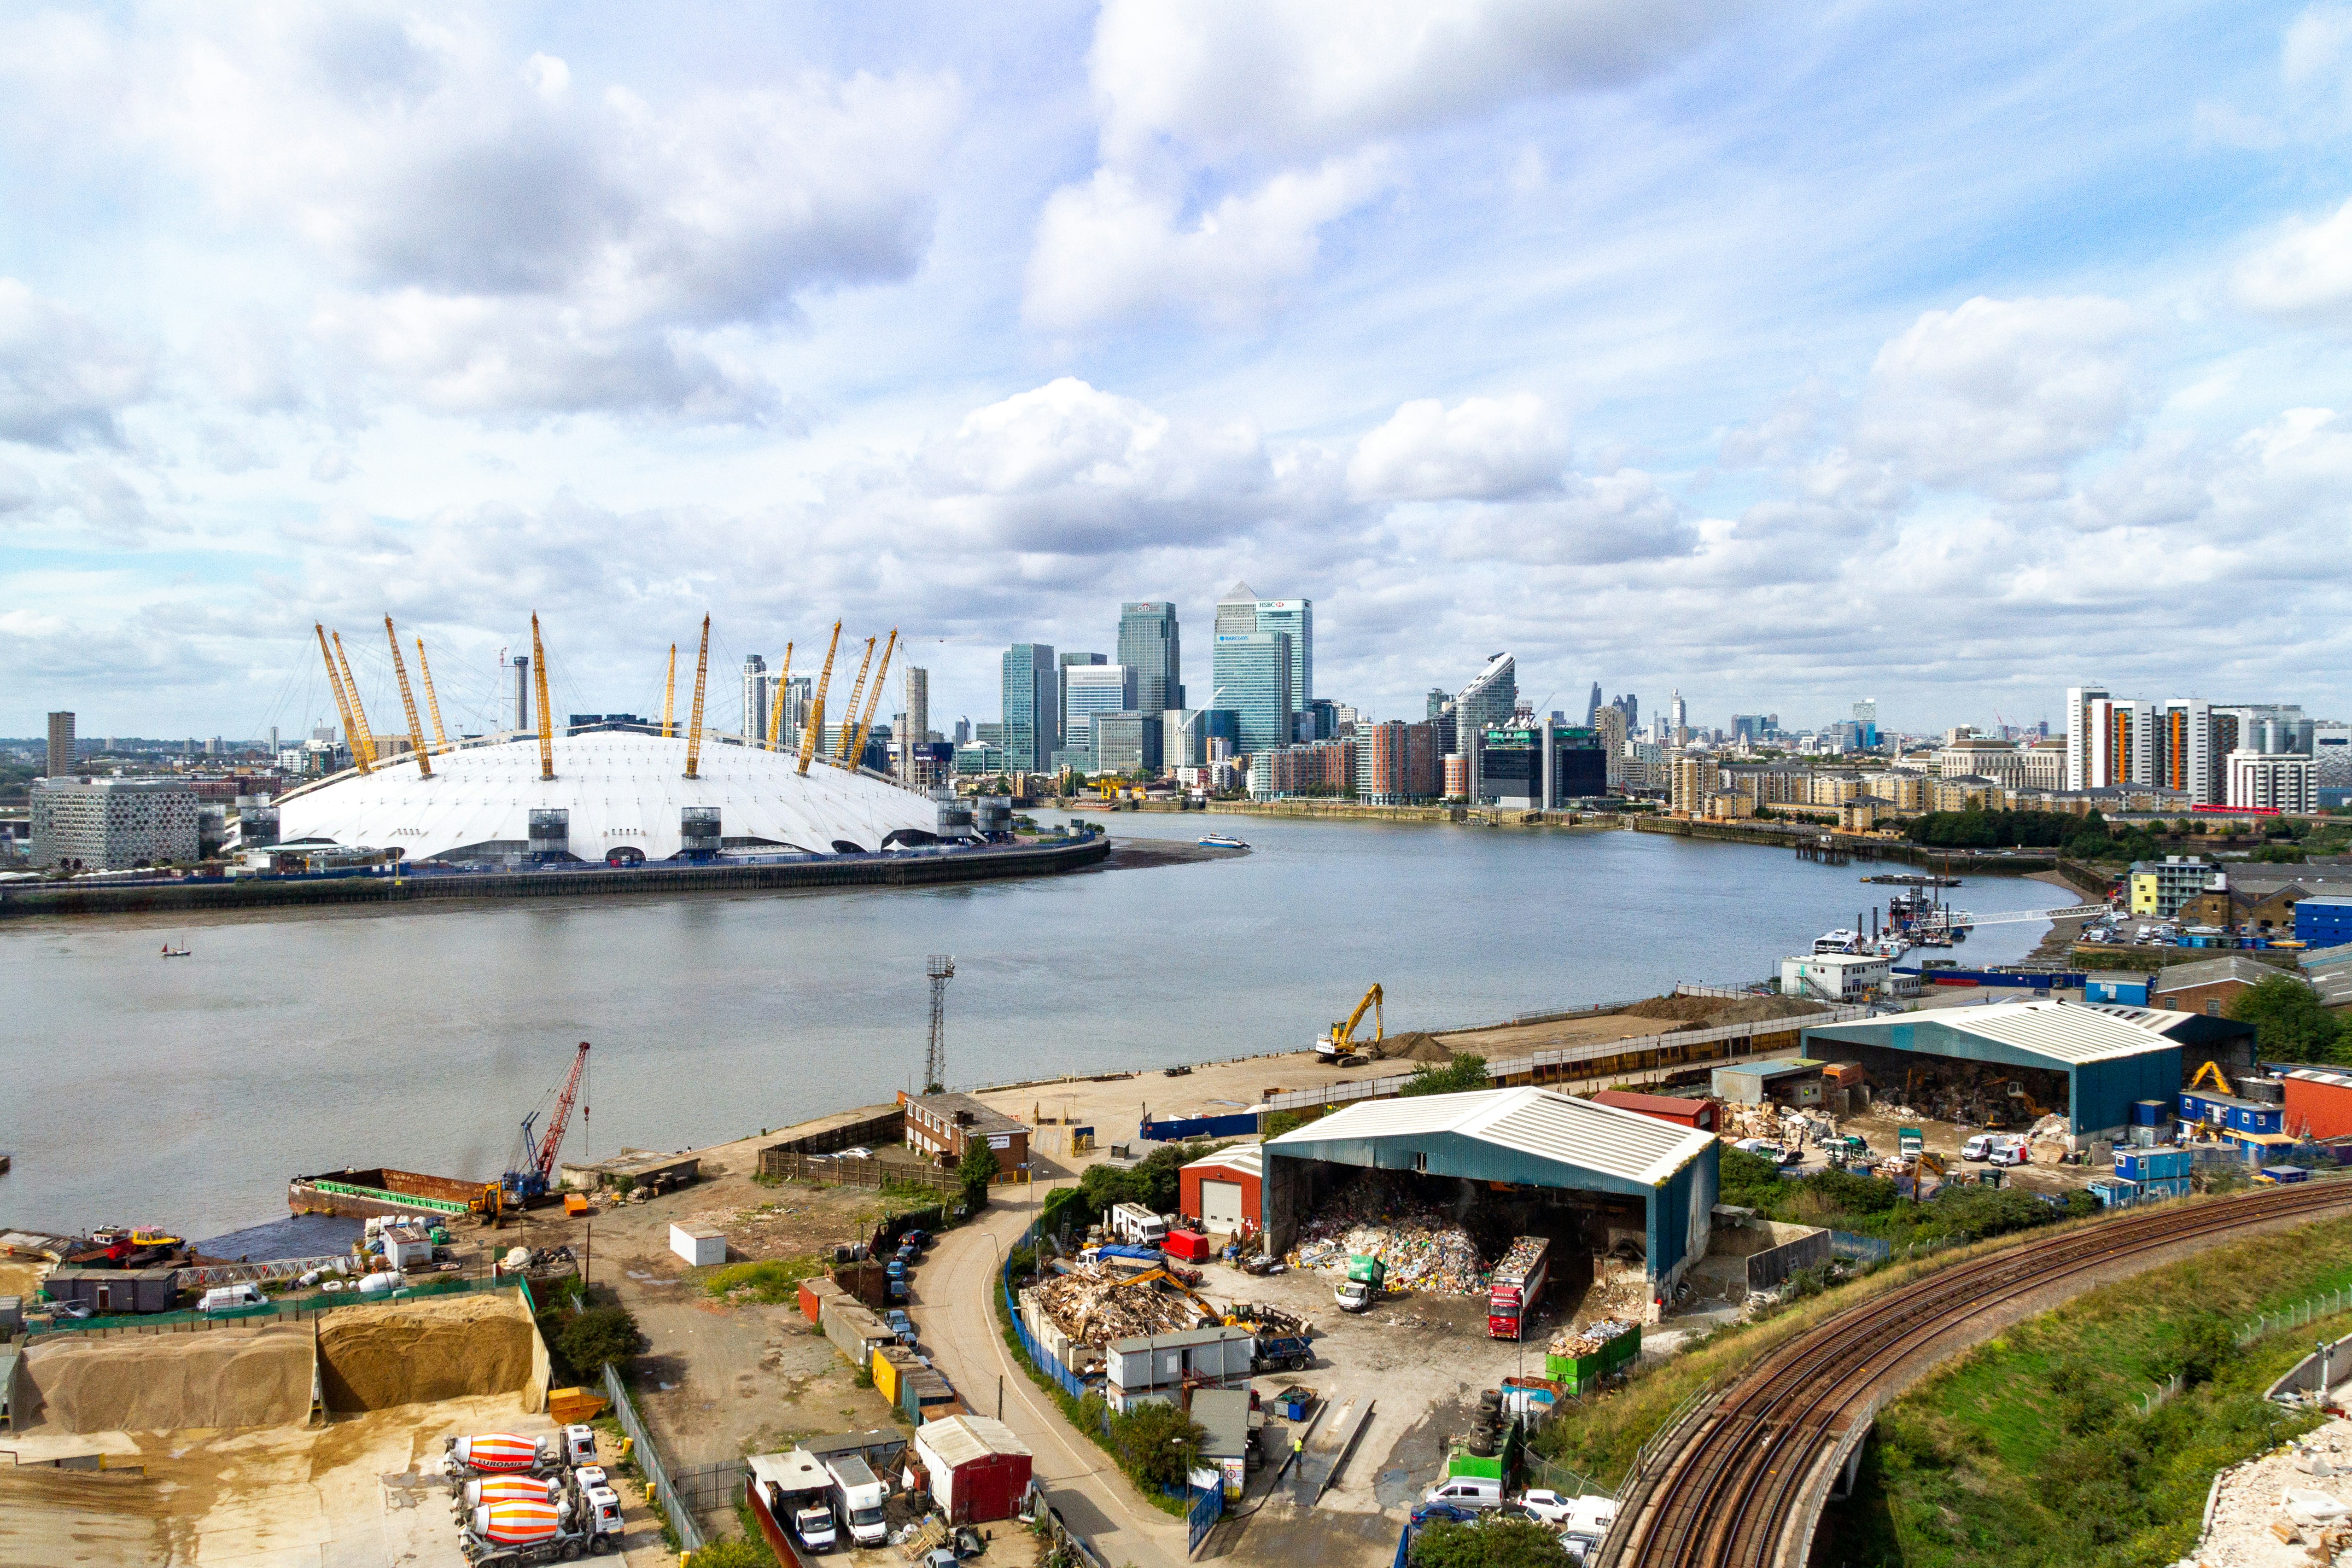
x: 940, y: 968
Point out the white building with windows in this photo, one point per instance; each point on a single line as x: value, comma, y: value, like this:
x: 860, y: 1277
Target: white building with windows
x: 2273, y: 781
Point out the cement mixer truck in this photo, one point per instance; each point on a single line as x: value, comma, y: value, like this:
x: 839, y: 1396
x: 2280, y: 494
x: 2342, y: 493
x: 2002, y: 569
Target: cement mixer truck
x: 473, y: 1494
x: 523, y: 1531
x: 506, y: 1453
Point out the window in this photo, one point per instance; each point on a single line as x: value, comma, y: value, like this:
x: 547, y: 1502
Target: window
x: 2212, y: 1007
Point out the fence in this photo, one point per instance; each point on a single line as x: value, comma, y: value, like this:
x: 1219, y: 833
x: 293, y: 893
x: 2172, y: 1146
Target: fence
x: 1774, y: 1265
x: 1208, y: 1507
x: 1060, y: 1536
x: 649, y: 1460
x: 2295, y: 1316
x: 1039, y: 1358
x: 838, y: 1172
x: 213, y: 1274
x: 274, y: 1312
x: 1859, y: 1249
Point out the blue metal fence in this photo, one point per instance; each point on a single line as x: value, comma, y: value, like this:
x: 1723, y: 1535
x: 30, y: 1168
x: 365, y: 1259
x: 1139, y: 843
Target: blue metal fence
x: 1039, y: 1358
x: 1404, y: 1545
x: 1242, y: 1124
x: 1208, y: 1507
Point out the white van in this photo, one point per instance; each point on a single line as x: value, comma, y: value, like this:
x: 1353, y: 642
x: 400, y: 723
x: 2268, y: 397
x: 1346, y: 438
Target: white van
x: 2012, y: 1152
x: 1979, y: 1147
x: 228, y: 1298
x: 1468, y: 1491
x: 1137, y: 1226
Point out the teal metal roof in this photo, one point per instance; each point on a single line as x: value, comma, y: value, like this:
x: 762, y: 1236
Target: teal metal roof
x: 1535, y: 1122
x: 2063, y: 1034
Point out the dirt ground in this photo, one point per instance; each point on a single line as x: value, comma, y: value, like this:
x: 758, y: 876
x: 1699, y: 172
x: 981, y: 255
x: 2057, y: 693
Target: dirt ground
x: 362, y: 1492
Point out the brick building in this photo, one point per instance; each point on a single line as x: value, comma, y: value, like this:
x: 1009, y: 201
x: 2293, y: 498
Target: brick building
x: 2207, y: 987
x: 946, y: 1126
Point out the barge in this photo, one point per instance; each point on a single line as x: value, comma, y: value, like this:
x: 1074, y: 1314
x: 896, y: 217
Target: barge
x: 358, y: 1194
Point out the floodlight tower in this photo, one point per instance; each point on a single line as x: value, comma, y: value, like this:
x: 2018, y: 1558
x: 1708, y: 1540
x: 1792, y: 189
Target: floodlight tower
x: 940, y: 968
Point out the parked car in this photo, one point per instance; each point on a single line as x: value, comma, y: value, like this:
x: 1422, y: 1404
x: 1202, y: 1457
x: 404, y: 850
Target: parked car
x: 1548, y: 1505
x: 1478, y: 1492
x: 1443, y: 1513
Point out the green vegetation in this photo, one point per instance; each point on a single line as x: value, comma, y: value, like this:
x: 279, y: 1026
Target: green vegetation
x: 976, y: 1170
x: 1089, y: 1415
x: 1463, y: 1072
x: 772, y: 1282
x: 1870, y: 1205
x: 593, y: 1338
x: 1156, y: 1444
x: 751, y: 1550
x: 1492, y: 1542
x: 1151, y: 1182
x: 1274, y: 1123
x: 2033, y: 1449
x: 2087, y: 838
x: 2291, y: 1023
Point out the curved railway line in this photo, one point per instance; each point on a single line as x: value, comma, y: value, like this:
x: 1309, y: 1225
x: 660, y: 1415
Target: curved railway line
x: 1739, y: 1481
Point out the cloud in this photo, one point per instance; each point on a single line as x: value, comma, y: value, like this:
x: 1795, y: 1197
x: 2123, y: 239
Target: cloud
x: 1112, y: 249
x: 63, y: 383
x: 1481, y: 449
x: 1999, y: 394
x: 2303, y: 271
x: 1606, y: 519
x: 1302, y: 78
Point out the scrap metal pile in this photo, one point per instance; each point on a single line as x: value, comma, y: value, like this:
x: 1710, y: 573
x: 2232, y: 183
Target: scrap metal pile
x: 1965, y: 1093
x: 1588, y: 1339
x: 1095, y: 1307
x: 1422, y: 1249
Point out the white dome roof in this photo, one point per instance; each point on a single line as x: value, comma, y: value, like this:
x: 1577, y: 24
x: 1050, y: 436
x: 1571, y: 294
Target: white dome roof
x: 620, y: 787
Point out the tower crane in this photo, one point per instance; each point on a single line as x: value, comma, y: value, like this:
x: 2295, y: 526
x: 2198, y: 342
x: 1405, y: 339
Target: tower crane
x: 849, y: 712
x: 856, y: 754
x: 532, y: 1170
x: 815, y: 730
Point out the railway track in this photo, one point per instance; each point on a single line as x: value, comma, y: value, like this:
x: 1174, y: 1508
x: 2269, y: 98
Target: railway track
x: 1741, y: 1482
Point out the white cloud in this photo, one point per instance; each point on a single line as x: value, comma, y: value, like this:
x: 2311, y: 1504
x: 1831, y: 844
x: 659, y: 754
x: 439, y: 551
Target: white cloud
x: 1480, y: 449
x: 1603, y: 520
x: 1999, y: 394
x: 63, y: 381
x: 1113, y: 249
x: 2303, y: 271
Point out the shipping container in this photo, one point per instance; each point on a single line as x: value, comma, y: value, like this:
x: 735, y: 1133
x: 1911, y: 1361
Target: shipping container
x: 2145, y: 1165
x: 1579, y: 1374
x: 978, y: 1469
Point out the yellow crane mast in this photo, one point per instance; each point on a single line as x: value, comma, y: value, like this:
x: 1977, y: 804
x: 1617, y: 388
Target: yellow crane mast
x: 694, y: 719
x: 669, y: 692
x: 342, y: 702
x: 776, y: 707
x: 815, y: 727
x: 849, y: 709
x: 539, y: 679
x: 856, y: 757
x: 362, y: 737
x: 432, y: 703
x: 408, y: 702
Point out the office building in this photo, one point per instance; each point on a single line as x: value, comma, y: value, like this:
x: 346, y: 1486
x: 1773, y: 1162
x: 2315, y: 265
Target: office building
x: 1069, y: 734
x: 962, y: 732
x: 1091, y: 689
x: 1251, y: 677
x: 1241, y: 612
x: 1221, y: 733
x: 1593, y: 709
x: 756, y: 687
x: 113, y: 825
x: 915, y: 730
x: 1535, y: 768
x: 800, y: 694
x: 1677, y: 717
x: 1183, y: 738
x: 1491, y: 699
x: 1125, y: 743
x: 1865, y: 719
x: 1149, y: 645
x: 1033, y: 697
x: 61, y: 745
x: 2262, y: 781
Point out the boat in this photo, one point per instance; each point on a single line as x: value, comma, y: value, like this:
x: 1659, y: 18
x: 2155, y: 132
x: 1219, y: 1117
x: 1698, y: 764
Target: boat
x: 1221, y: 842
x: 180, y: 950
x: 1838, y: 941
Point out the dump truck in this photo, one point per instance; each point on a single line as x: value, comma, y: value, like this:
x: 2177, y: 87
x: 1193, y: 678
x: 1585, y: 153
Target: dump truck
x: 1362, y: 1286
x: 1516, y: 1288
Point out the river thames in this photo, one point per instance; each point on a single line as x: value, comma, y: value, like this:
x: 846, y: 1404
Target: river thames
x: 185, y: 1094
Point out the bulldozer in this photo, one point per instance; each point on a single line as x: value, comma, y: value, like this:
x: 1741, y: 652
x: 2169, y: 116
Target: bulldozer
x: 1338, y: 1046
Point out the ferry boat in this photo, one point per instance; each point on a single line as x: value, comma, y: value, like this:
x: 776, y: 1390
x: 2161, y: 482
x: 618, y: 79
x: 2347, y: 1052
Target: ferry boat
x: 1838, y: 941
x: 1221, y: 842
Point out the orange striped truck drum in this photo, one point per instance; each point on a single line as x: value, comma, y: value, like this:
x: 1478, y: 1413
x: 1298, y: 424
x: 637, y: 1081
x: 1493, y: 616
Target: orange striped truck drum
x: 520, y: 1523
x: 511, y: 1488
x: 495, y: 1451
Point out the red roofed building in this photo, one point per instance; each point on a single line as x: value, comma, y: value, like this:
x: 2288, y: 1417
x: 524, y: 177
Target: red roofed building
x: 1703, y: 1114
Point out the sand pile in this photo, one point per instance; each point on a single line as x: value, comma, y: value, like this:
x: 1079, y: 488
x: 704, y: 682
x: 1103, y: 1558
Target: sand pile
x: 1711, y: 1012
x: 84, y: 1516
x: 408, y: 1352
x: 1418, y: 1046
x: 159, y: 1383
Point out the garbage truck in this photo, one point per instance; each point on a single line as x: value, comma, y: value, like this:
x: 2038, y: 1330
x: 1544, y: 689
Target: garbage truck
x: 1362, y: 1286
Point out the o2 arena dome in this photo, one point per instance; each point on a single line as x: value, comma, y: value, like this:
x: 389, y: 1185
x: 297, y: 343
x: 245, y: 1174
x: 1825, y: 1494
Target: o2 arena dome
x: 614, y: 792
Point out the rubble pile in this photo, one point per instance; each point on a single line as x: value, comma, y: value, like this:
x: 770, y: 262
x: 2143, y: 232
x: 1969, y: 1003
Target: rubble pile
x: 1965, y: 1093
x: 1588, y: 1340
x: 1776, y: 1124
x: 2286, y: 1509
x: 1423, y: 1252
x: 1094, y: 1307
x: 1521, y: 1256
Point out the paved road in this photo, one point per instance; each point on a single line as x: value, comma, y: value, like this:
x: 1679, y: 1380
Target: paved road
x: 961, y: 1333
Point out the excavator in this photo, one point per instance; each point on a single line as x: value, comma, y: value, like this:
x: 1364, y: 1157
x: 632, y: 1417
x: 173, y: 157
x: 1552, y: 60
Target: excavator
x: 1339, y: 1047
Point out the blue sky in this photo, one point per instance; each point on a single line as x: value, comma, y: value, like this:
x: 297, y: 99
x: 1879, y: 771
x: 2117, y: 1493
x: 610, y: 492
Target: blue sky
x: 1948, y: 354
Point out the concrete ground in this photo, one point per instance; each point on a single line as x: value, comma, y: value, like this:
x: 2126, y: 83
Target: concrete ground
x: 362, y: 1492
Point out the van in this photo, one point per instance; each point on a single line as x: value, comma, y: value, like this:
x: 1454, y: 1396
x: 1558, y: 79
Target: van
x: 228, y: 1298
x: 2012, y: 1153
x: 1468, y: 1491
x: 1978, y: 1148
x: 1137, y: 1226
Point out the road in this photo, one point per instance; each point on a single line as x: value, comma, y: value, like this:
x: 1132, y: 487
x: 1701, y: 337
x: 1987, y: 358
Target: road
x: 960, y: 1330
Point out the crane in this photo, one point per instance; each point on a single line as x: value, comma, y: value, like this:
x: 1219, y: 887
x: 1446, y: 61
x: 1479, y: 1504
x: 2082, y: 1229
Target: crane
x: 776, y: 713
x: 814, y: 731
x: 533, y: 1168
x: 343, y: 700
x: 857, y: 757
x: 1339, y: 1047
x: 849, y: 712
x: 408, y: 702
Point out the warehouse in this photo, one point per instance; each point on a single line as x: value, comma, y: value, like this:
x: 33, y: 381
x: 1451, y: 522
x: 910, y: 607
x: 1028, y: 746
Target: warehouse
x: 978, y: 1469
x: 1550, y: 1163
x: 2089, y: 1063
x: 2318, y: 1103
x: 1218, y: 1191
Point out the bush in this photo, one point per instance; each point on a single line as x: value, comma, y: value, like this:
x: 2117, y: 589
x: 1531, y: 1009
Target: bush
x: 1489, y: 1544
x: 1157, y: 1443
x: 774, y: 1281
x: 2291, y: 1023
x: 1458, y: 1076
x: 748, y: 1551
x: 598, y: 1337
x: 977, y: 1169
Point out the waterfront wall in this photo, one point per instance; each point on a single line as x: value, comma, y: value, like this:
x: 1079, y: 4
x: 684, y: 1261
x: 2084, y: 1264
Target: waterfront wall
x: 255, y: 892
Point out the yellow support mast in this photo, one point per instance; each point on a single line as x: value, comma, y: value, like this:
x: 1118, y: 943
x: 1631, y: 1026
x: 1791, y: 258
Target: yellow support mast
x: 815, y: 727
x: 432, y: 703
x: 362, y: 737
x: 408, y: 702
x: 776, y: 707
x: 539, y: 679
x: 694, y: 722
x: 865, y: 721
x: 669, y: 692
x: 849, y: 713
x: 342, y: 702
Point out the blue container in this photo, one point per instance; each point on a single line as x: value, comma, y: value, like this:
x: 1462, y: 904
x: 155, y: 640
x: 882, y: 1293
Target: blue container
x: 2114, y: 1193
x: 2148, y: 1112
x: 2153, y: 1165
x: 2164, y: 1186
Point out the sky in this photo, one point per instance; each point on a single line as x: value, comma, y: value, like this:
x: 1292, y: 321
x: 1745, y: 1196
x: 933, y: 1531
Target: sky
x: 1947, y: 354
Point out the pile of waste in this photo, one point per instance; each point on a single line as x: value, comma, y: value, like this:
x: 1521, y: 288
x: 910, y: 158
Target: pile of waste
x: 1095, y: 1307
x: 1521, y: 1256
x: 1780, y: 1125
x: 1588, y: 1339
x: 1424, y: 1252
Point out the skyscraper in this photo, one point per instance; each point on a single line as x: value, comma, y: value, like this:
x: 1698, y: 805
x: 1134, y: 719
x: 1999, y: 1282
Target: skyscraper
x: 1237, y: 612
x: 2079, y: 734
x: 1242, y: 612
x: 1252, y: 674
x: 1866, y: 719
x: 1091, y: 692
x: 1592, y: 708
x: 1677, y: 717
x: 1491, y: 698
x: 61, y: 745
x: 1148, y: 645
x: 1063, y: 735
x: 756, y: 688
x: 1032, y: 704
x: 916, y: 734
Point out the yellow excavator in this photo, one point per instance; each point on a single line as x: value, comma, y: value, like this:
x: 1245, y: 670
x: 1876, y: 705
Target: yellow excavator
x: 1339, y: 1047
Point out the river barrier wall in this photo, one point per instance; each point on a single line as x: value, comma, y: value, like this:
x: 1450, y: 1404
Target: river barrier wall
x: 196, y: 895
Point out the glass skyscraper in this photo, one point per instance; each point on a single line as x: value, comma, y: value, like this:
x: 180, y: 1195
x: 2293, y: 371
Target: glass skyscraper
x: 1242, y: 612
x: 1033, y: 701
x: 1148, y: 644
x: 1253, y: 678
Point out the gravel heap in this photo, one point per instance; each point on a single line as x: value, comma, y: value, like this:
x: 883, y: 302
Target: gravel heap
x: 2252, y: 1500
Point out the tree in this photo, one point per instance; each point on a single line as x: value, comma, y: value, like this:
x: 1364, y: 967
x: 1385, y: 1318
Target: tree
x: 1463, y: 1072
x: 1157, y: 1443
x: 976, y: 1170
x: 1489, y: 1544
x: 2290, y: 1022
x: 599, y: 1336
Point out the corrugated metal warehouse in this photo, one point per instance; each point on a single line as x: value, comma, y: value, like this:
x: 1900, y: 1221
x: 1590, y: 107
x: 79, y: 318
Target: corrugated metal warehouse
x: 1220, y: 1191
x: 2099, y: 1059
x: 1552, y: 1154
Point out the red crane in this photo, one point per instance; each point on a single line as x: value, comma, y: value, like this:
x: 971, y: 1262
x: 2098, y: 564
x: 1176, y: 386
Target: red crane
x: 535, y: 1170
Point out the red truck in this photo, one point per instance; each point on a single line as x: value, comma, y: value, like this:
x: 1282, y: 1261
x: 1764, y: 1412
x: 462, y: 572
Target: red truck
x: 1516, y: 1286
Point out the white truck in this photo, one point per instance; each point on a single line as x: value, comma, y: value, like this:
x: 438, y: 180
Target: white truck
x: 797, y: 1494
x: 1137, y: 1226
x: 858, y: 1500
x: 525, y: 1531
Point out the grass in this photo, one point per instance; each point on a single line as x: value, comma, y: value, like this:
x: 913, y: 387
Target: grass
x: 774, y: 1281
x: 2032, y: 1449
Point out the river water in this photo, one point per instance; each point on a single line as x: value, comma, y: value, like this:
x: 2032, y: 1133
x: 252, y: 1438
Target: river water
x: 185, y: 1094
